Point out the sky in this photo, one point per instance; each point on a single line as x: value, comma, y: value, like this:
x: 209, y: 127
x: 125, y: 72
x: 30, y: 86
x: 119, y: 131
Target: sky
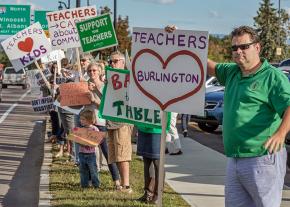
x: 215, y: 16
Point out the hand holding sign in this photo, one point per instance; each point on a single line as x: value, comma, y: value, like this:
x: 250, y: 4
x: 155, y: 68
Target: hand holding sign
x: 86, y: 136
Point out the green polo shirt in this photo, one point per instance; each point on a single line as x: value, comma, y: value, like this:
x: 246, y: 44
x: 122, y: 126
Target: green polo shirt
x: 253, y: 107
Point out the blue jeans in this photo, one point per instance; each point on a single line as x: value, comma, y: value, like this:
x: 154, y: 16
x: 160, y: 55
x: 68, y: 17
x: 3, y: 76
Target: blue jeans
x: 88, y: 170
x: 185, y: 118
x: 104, y: 147
x: 255, y: 181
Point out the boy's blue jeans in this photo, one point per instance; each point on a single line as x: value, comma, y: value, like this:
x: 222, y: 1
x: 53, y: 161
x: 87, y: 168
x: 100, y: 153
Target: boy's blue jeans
x: 88, y: 169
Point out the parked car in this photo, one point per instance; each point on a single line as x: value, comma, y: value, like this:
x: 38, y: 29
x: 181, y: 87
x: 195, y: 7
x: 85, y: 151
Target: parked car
x: 214, y: 107
x: 285, y: 65
x: 212, y: 84
x: 11, y: 77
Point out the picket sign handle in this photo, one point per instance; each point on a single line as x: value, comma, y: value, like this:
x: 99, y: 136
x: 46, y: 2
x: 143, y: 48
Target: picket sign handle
x: 164, y: 120
x: 43, y: 77
x: 79, y: 62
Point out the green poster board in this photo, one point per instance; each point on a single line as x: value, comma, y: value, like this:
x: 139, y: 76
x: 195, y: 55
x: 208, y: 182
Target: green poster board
x: 97, y: 33
x: 40, y: 16
x: 14, y: 18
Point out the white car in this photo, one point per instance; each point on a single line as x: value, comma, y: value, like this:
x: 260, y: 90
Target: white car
x: 11, y: 77
x: 212, y: 85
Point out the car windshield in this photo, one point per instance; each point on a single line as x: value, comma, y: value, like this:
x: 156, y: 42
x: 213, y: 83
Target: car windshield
x: 12, y: 71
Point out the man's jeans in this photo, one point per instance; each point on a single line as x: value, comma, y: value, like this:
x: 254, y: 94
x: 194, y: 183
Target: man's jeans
x: 88, y: 170
x: 256, y: 181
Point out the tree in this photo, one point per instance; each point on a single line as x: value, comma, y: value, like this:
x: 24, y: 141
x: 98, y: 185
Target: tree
x: 122, y: 33
x: 272, y: 30
x: 219, y: 48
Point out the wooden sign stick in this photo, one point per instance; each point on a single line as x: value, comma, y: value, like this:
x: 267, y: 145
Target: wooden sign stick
x: 43, y: 77
x: 162, y: 158
x: 79, y: 63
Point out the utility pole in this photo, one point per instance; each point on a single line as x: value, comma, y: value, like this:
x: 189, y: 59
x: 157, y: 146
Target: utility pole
x: 279, y: 49
x: 78, y: 3
x: 115, y: 19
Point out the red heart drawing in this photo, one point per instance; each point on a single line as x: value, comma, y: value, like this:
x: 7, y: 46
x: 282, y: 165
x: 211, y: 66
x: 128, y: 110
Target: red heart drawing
x: 164, y: 65
x: 26, y: 45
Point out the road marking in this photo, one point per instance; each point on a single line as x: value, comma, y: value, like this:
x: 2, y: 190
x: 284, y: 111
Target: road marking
x: 3, y: 117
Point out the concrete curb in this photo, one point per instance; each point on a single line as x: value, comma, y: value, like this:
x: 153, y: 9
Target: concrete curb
x: 44, y: 193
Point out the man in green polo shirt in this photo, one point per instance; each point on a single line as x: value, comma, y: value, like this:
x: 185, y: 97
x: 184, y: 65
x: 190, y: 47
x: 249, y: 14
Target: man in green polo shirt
x: 256, y: 122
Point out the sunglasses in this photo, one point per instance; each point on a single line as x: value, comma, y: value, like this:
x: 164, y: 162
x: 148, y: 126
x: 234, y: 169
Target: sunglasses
x: 89, y: 71
x: 114, y: 61
x: 242, y: 46
x: 83, y: 60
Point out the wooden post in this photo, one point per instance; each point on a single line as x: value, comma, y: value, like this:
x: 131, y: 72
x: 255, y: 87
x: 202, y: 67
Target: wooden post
x: 162, y: 158
x: 79, y: 63
x: 43, y: 77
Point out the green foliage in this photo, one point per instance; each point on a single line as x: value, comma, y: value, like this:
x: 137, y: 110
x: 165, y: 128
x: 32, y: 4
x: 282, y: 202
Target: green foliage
x: 272, y: 29
x: 219, y: 49
x: 4, y: 59
x: 66, y: 191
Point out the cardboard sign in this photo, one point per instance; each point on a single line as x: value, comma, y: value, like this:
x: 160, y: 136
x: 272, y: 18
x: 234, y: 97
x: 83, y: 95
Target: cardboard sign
x: 46, y: 73
x: 43, y: 105
x: 74, y: 94
x: 62, y: 28
x: 26, y: 46
x: 53, y: 56
x: 114, y: 104
x: 86, y: 136
x: 169, y: 70
x: 14, y: 18
x: 33, y: 82
x: 97, y: 33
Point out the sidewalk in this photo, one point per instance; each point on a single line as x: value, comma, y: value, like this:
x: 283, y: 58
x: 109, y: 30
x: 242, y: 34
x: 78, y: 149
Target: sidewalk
x: 198, y: 175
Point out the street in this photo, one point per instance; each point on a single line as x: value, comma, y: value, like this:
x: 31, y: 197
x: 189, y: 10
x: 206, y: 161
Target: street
x: 21, y: 148
x: 214, y: 141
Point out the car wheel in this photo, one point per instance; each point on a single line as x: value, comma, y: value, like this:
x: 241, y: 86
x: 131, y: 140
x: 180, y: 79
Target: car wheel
x: 207, y: 127
x: 4, y: 86
x: 24, y: 86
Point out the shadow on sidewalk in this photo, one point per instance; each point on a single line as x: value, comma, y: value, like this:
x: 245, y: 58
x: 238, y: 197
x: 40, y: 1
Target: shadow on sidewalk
x: 24, y: 187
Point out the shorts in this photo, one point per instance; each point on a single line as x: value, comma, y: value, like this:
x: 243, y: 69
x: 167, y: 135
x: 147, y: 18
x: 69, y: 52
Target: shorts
x: 119, y: 144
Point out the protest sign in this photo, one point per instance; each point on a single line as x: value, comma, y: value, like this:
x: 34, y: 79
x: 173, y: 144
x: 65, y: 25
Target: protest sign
x: 26, y: 46
x: 74, y: 109
x: 86, y: 136
x: 169, y: 70
x: 53, y: 56
x: 97, y: 33
x: 74, y: 94
x: 62, y: 28
x: 47, y: 74
x: 14, y: 18
x: 114, y: 104
x: 33, y: 82
x: 43, y: 104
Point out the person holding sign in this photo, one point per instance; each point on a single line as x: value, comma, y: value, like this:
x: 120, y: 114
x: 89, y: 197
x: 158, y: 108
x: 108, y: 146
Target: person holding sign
x: 95, y: 72
x: 87, y: 155
x: 119, y: 136
x: 256, y: 122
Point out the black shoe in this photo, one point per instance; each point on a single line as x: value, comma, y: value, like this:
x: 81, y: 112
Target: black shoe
x: 166, y: 151
x: 177, y: 153
x: 185, y: 133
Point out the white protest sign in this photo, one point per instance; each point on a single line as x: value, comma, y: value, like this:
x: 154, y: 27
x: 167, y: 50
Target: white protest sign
x: 43, y: 105
x: 26, y: 46
x: 115, y: 107
x: 62, y: 27
x: 33, y: 82
x: 169, y: 70
x: 53, y: 56
x: 75, y: 110
x: 46, y: 72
